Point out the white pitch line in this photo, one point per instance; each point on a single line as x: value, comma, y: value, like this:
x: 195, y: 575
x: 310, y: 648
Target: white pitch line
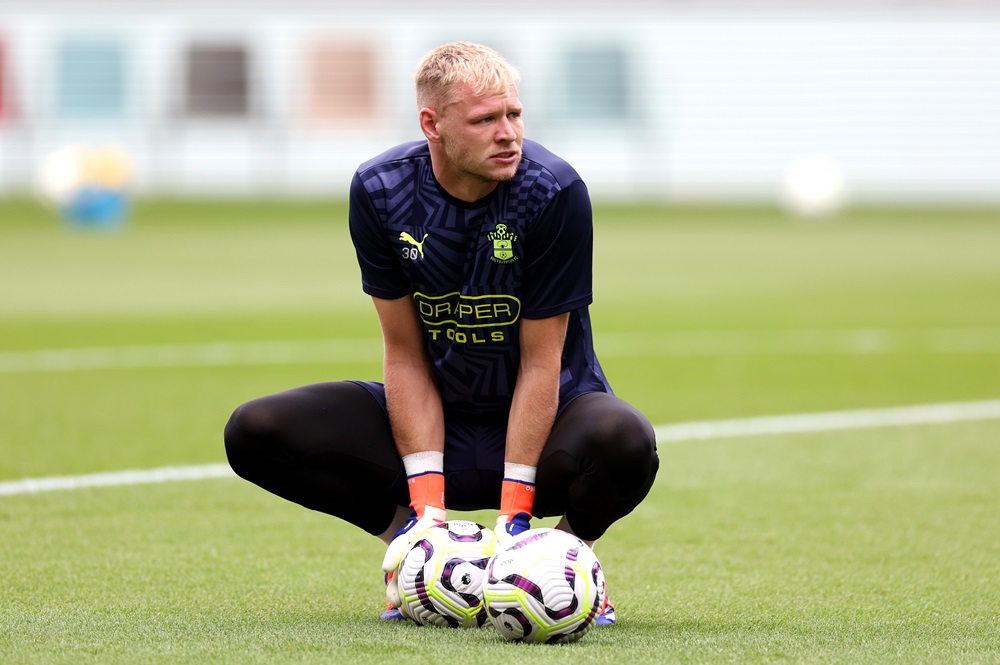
x: 925, y: 414
x: 622, y: 345
x: 693, y: 431
x: 164, y: 474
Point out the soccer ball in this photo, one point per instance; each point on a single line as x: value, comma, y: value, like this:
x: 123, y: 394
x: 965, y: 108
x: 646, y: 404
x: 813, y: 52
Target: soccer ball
x: 545, y: 586
x: 87, y: 184
x: 441, y: 575
x: 814, y: 187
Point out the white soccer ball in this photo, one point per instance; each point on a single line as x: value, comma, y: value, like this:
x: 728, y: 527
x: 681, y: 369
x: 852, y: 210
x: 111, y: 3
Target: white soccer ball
x: 544, y: 586
x: 68, y: 170
x: 441, y: 575
x: 814, y: 187
x: 62, y: 174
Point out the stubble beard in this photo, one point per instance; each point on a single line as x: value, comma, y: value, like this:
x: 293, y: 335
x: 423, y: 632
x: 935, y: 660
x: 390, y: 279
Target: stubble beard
x: 470, y: 166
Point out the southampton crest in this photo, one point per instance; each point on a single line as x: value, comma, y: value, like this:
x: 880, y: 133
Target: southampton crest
x: 503, y: 244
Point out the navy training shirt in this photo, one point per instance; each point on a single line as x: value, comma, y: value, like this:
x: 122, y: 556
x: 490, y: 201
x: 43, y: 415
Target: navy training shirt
x: 475, y: 269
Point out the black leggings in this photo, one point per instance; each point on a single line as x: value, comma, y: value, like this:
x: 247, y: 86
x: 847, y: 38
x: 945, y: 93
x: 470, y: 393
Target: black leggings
x: 329, y: 447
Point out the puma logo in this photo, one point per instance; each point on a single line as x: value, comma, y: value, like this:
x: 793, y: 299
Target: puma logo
x: 406, y: 237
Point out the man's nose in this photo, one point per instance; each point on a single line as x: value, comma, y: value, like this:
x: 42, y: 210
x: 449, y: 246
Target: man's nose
x: 505, y: 130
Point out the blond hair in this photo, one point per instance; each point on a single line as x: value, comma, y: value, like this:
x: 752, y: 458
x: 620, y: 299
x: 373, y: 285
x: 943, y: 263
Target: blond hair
x: 450, y: 65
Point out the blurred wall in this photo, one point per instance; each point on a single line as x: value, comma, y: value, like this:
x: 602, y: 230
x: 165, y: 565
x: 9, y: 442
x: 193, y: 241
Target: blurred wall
x: 666, y: 100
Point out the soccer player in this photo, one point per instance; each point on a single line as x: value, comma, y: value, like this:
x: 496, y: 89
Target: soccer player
x: 476, y: 248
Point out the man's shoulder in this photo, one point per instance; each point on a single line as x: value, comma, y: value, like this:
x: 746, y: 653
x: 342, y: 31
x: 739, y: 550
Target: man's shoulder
x: 400, y: 155
x: 539, y: 160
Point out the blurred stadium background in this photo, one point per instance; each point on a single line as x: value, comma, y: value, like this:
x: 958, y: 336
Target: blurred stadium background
x: 232, y: 130
x: 670, y: 100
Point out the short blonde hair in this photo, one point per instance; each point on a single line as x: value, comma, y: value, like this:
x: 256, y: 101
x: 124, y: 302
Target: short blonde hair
x: 450, y: 65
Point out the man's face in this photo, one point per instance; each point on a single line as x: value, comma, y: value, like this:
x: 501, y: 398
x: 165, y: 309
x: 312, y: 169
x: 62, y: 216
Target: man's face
x: 481, y: 136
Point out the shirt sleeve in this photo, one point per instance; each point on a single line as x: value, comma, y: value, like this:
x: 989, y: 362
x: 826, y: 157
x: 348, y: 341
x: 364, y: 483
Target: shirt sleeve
x: 558, y: 270
x: 382, y: 275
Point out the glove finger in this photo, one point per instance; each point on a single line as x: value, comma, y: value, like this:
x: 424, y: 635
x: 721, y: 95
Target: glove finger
x: 519, y: 524
x: 404, y: 537
x: 392, y: 592
x: 394, y: 553
x: 501, y: 535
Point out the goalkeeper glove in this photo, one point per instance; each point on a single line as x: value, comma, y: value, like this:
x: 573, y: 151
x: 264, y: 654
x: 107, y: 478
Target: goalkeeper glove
x: 427, y: 502
x: 516, y: 501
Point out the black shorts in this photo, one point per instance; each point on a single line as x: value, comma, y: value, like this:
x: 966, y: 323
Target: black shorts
x: 329, y: 447
x: 474, y: 447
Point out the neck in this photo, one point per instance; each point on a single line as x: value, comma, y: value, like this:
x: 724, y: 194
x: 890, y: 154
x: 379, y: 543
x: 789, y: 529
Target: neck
x: 462, y: 186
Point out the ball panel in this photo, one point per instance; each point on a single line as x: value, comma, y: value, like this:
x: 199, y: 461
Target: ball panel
x: 546, y: 586
x: 441, y: 575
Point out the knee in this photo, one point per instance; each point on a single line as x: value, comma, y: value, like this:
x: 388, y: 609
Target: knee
x: 248, y: 427
x: 627, y: 445
x: 625, y: 432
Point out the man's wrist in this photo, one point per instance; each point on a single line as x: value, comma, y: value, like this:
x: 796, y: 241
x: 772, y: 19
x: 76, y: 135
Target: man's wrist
x: 425, y: 480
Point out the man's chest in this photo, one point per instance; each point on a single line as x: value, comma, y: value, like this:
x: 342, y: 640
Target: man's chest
x: 473, y: 253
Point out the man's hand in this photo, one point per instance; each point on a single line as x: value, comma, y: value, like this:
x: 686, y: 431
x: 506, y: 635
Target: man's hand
x: 405, y: 537
x: 509, y: 526
x: 517, y: 498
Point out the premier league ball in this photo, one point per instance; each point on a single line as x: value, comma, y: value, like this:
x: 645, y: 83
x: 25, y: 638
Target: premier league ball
x: 441, y: 575
x: 544, y: 586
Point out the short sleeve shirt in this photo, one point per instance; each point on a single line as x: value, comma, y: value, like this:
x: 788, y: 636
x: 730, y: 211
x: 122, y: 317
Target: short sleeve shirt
x: 474, y: 270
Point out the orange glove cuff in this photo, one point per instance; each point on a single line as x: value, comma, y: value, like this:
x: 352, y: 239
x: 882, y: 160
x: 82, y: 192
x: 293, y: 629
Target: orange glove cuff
x: 426, y: 489
x: 516, y: 497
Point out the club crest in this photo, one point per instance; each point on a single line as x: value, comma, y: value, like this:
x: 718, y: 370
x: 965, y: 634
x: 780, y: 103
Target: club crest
x: 503, y: 244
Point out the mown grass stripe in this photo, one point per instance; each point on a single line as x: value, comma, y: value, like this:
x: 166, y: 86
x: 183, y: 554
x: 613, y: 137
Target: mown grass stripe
x: 693, y: 431
x: 675, y: 343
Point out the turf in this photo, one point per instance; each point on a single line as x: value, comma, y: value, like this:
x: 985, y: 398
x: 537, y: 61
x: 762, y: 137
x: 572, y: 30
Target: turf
x: 855, y: 546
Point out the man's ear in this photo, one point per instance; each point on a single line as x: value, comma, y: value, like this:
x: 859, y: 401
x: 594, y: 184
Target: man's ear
x: 429, y: 124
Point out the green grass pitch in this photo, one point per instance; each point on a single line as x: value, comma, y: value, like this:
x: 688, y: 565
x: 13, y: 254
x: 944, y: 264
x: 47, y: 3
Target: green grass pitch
x: 128, y: 350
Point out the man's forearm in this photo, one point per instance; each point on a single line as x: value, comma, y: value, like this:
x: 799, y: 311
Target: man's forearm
x: 415, y: 410
x: 536, y: 400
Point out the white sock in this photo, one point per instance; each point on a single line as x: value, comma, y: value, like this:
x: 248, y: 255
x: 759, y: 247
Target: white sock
x: 427, y: 461
x: 520, y: 472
